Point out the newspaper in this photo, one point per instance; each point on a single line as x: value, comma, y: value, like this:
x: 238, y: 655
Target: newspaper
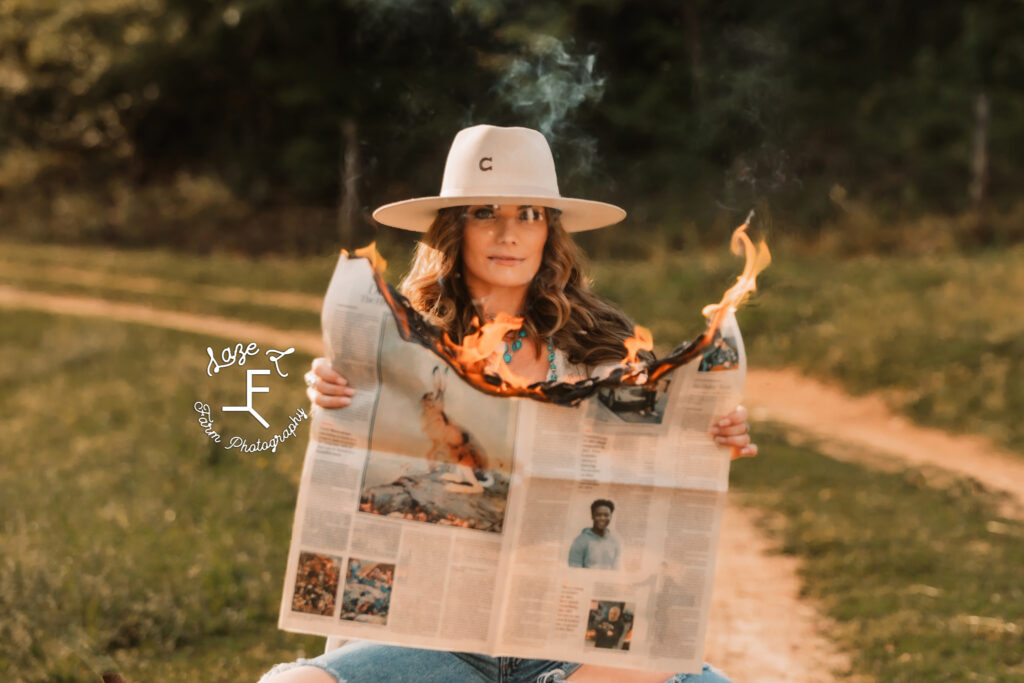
x: 433, y: 515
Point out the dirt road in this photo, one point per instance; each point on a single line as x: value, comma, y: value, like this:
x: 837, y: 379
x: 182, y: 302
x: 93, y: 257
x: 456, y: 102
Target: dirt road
x: 760, y: 630
x: 827, y: 412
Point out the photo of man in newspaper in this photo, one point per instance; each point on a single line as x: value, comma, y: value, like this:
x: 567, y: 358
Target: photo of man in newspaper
x: 597, y: 547
x: 609, y: 624
x: 367, y: 596
x: 425, y: 464
x: 643, y: 404
x: 721, y: 355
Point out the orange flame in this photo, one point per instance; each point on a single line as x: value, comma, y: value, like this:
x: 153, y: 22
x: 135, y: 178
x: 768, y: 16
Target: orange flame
x: 478, y: 350
x: 478, y: 363
x: 370, y: 253
x: 757, y: 259
x: 640, y: 341
x: 480, y: 345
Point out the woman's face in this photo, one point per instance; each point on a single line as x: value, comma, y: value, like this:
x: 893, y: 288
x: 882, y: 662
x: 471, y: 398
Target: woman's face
x: 503, y: 246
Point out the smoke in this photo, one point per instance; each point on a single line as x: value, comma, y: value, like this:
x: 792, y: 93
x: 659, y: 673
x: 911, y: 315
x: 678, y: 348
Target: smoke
x: 754, y: 92
x: 550, y: 84
x: 545, y: 88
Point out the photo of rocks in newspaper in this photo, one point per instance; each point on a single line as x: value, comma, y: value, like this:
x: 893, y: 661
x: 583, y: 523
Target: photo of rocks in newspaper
x: 581, y: 526
x: 449, y: 462
x: 367, y: 596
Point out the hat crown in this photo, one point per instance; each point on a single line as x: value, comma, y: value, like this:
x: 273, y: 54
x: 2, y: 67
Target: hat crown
x: 496, y: 165
x: 492, y: 160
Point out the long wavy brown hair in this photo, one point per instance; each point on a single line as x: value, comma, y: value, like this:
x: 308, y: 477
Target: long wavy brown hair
x: 559, y: 302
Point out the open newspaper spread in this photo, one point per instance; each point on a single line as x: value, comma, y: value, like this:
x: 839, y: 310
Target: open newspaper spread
x: 431, y: 514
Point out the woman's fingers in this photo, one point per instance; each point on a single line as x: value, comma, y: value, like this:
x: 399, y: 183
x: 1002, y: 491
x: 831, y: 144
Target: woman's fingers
x: 326, y: 401
x: 733, y: 431
x: 330, y: 388
x: 739, y: 440
x: 326, y: 387
x: 745, y: 452
x: 322, y: 368
x: 737, y: 416
x: 733, y: 424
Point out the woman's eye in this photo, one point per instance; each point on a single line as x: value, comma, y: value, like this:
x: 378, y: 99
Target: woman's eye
x: 530, y: 214
x: 483, y: 214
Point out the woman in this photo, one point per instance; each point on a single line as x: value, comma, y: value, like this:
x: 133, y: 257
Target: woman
x: 496, y: 243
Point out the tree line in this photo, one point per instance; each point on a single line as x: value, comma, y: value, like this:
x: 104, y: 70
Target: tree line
x: 683, y: 111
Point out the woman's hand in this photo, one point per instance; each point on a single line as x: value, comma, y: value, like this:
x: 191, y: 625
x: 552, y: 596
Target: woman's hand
x: 733, y: 430
x: 327, y: 388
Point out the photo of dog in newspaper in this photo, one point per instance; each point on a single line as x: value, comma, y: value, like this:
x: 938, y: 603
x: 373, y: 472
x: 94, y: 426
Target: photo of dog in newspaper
x: 457, y: 476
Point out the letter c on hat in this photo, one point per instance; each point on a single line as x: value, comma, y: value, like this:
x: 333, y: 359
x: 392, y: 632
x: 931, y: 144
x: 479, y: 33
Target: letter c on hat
x: 488, y: 167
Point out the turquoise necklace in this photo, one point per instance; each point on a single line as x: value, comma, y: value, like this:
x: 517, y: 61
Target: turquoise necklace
x: 518, y: 344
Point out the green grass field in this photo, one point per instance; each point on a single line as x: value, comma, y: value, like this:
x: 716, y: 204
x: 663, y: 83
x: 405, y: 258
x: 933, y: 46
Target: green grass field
x: 130, y: 539
x: 131, y: 542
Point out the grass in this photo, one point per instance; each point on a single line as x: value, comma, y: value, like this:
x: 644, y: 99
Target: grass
x: 936, y: 336
x: 941, y: 338
x: 924, y: 581
x: 129, y: 538
x: 308, y: 275
x: 130, y: 541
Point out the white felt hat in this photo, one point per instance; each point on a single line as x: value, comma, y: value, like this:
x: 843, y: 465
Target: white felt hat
x: 494, y: 165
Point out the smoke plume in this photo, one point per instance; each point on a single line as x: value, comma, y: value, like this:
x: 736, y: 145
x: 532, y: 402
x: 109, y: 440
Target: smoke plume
x: 545, y: 88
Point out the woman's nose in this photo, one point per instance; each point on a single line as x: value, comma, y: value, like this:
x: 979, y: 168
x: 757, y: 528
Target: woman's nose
x: 507, y: 230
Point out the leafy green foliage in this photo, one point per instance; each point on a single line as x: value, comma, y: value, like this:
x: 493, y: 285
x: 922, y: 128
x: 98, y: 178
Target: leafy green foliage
x: 696, y: 109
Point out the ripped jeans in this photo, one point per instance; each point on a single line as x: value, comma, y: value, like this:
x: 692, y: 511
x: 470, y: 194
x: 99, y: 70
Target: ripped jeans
x: 367, y: 662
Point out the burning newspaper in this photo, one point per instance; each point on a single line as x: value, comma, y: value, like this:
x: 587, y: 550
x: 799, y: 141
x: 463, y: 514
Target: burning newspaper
x: 444, y: 510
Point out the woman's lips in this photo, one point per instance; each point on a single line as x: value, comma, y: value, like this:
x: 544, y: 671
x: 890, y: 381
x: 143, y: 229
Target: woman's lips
x: 505, y: 260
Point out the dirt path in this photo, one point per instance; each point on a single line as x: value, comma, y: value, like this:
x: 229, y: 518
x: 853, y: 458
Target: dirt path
x: 822, y: 410
x: 139, y: 284
x: 760, y: 630
x: 825, y: 411
x: 750, y: 582
x: 225, y: 328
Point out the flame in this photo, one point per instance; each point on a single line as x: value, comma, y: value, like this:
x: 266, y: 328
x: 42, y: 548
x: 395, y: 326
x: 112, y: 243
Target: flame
x: 757, y: 259
x: 370, y: 252
x: 478, y: 351
x: 480, y: 345
x: 640, y: 341
x: 476, y: 361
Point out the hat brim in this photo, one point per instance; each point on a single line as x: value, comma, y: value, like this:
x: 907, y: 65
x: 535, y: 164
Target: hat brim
x: 577, y: 214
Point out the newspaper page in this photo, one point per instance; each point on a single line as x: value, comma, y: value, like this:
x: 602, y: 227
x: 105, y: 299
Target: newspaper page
x: 431, y: 514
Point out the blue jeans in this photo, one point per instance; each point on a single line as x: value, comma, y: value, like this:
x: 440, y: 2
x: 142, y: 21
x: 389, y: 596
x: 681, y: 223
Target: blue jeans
x: 366, y: 662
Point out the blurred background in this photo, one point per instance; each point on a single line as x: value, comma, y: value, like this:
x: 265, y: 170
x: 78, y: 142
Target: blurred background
x: 209, y: 158
x: 258, y: 125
